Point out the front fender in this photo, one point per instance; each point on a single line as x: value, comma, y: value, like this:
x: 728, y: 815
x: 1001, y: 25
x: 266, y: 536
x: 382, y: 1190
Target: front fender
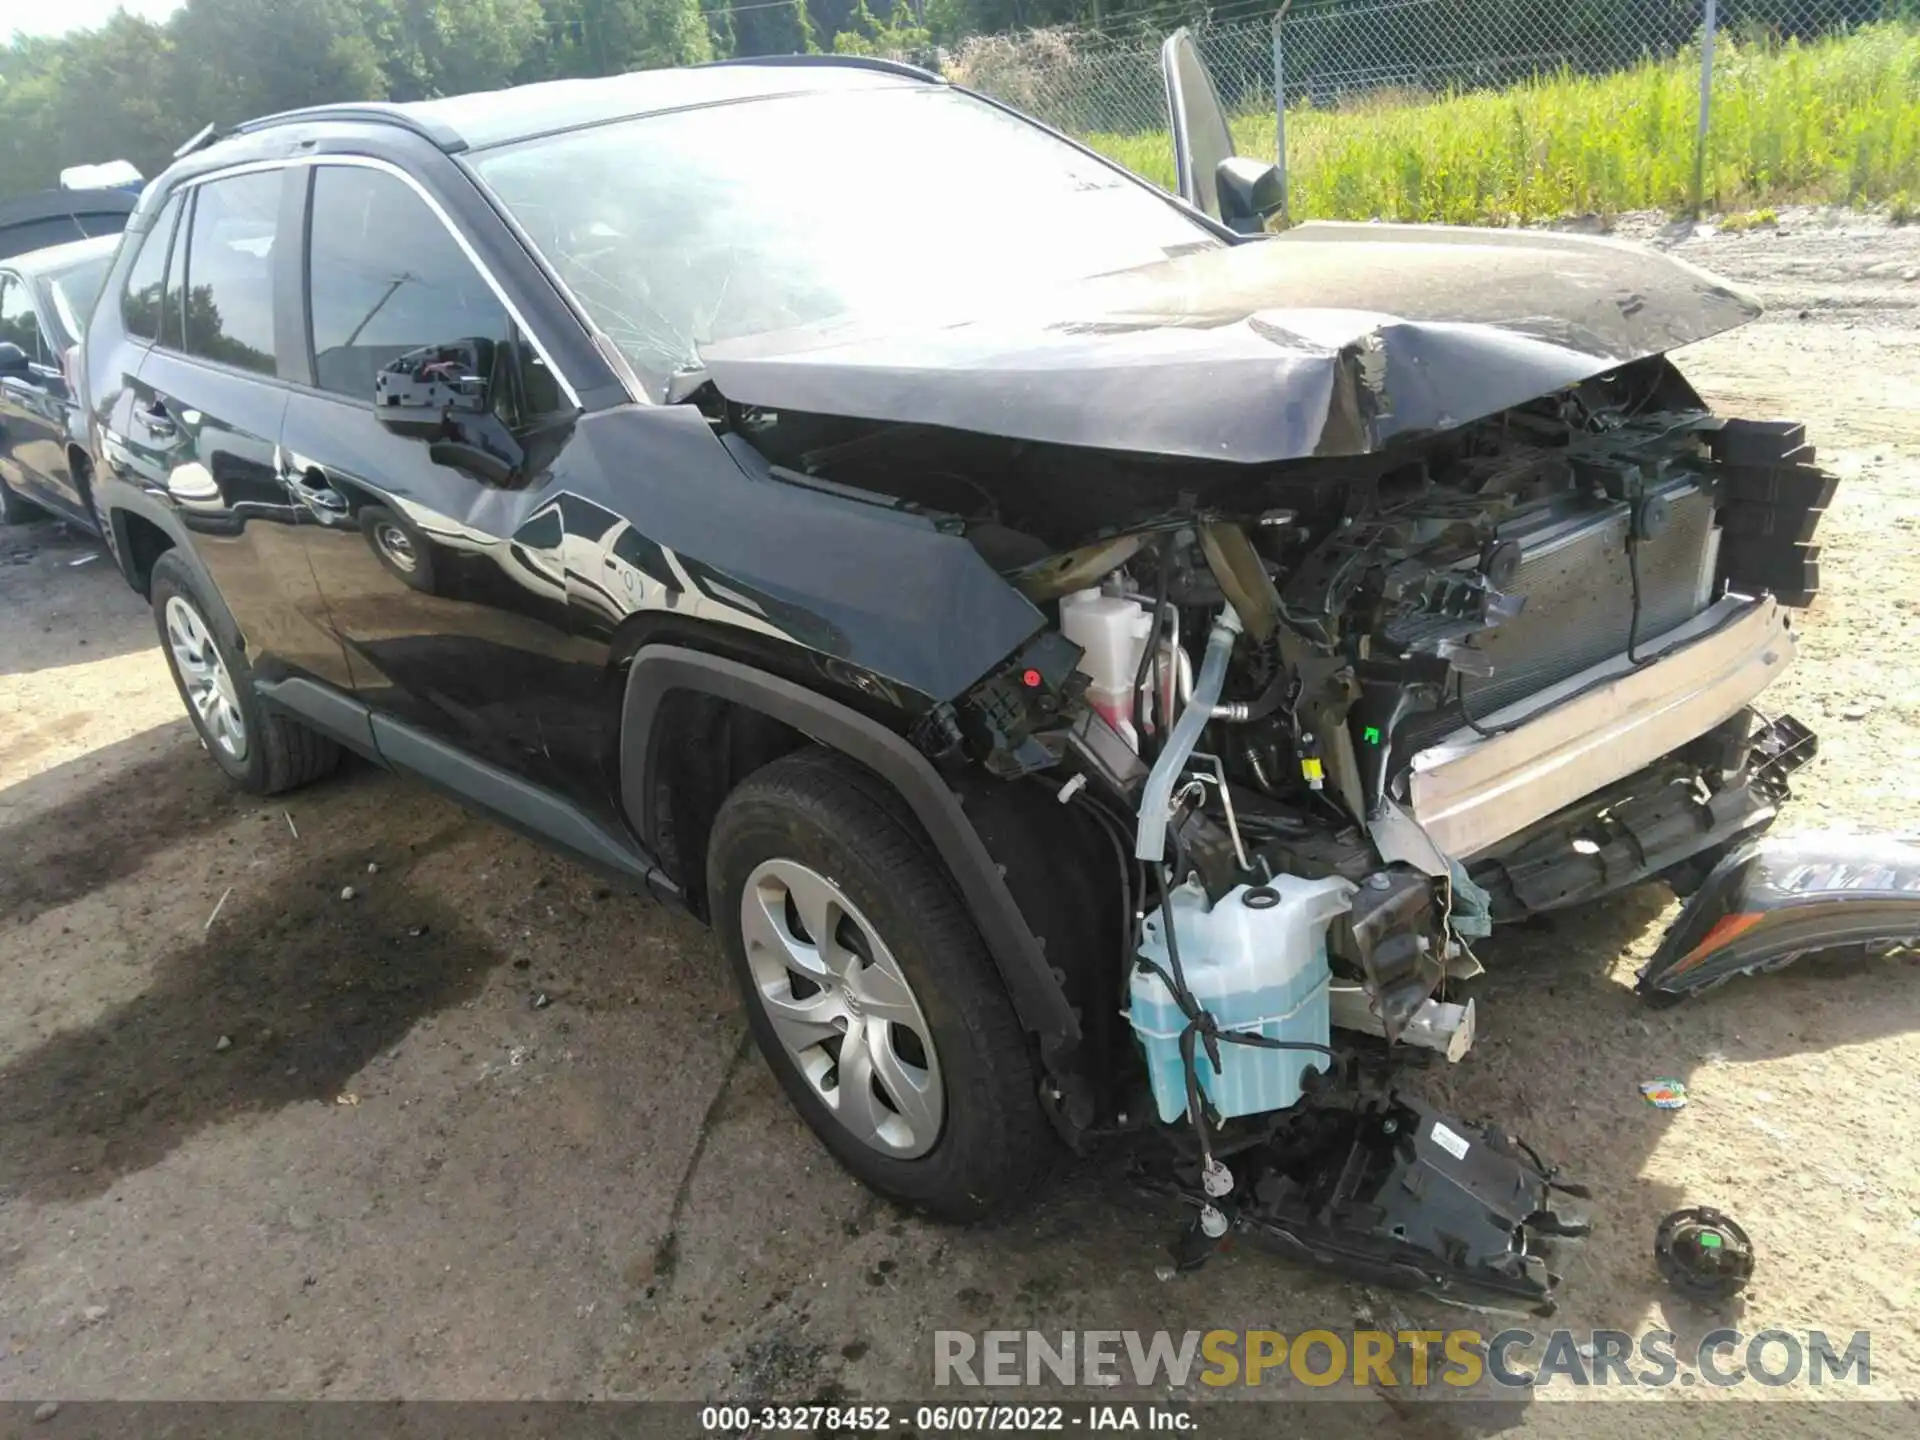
x: 1772, y: 901
x: 659, y: 670
x: 854, y: 579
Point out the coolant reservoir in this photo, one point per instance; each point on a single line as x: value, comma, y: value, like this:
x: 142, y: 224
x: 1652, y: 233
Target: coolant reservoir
x: 1113, y: 633
x: 1258, y: 962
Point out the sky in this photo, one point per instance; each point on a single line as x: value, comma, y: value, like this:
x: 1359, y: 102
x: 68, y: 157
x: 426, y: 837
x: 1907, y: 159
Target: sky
x: 55, y: 17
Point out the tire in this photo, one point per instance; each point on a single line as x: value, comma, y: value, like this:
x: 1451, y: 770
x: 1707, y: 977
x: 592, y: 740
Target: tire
x: 274, y: 752
x: 401, y: 550
x: 16, y: 509
x: 813, y: 813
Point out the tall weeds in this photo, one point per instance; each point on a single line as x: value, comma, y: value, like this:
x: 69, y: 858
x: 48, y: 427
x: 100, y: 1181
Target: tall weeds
x: 1835, y: 120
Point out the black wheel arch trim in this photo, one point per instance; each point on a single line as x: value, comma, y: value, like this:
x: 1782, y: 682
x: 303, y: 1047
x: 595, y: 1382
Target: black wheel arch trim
x: 209, y: 594
x: 338, y: 716
x: 125, y: 501
x: 657, y: 671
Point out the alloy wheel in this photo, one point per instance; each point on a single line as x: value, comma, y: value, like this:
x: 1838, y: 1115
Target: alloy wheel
x: 203, y: 675
x: 841, y: 1008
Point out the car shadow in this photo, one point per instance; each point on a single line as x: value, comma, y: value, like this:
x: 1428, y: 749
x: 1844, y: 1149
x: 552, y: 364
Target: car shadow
x: 282, y: 1001
x: 120, y: 804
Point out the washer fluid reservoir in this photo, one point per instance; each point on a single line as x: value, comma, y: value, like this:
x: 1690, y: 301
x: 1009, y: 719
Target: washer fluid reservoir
x: 1258, y: 962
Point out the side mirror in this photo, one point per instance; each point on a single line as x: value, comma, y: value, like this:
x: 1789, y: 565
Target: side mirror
x: 1239, y: 192
x: 1250, y: 191
x: 440, y: 394
x: 13, y: 360
x: 481, y: 463
x: 418, y: 392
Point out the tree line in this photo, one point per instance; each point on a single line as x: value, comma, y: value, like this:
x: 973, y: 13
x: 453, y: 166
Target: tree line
x: 134, y: 89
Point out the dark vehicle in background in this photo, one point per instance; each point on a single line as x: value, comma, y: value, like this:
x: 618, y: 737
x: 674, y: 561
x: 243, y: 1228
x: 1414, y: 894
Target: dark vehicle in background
x: 46, y: 297
x: 58, y: 217
x: 1097, y: 665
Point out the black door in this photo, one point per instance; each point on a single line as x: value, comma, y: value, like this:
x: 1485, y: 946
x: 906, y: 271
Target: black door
x: 33, y: 403
x: 199, y: 425
x: 441, y: 565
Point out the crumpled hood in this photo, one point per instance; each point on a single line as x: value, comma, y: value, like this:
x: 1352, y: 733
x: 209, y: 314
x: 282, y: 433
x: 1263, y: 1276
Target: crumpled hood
x: 1332, y: 339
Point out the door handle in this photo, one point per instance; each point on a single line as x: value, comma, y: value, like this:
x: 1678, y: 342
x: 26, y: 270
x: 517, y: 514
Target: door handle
x: 156, y: 422
x: 312, y: 490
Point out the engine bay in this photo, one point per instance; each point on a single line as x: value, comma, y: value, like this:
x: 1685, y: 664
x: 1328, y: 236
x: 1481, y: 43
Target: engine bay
x: 1249, y: 676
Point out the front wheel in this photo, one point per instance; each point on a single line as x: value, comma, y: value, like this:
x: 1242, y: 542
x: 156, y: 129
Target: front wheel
x: 401, y: 550
x: 871, y: 994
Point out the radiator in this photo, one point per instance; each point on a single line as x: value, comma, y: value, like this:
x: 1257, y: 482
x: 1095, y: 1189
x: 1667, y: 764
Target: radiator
x: 1579, y: 598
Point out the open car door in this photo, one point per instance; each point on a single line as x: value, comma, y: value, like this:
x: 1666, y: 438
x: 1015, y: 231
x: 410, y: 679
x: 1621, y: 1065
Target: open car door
x: 1234, y: 189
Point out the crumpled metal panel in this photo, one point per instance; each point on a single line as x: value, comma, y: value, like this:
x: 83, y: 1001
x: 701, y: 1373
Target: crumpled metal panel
x: 1330, y: 339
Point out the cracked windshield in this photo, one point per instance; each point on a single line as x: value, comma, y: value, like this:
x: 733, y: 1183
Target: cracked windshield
x: 680, y: 230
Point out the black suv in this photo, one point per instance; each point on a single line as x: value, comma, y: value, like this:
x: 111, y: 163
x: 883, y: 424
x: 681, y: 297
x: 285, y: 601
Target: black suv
x: 947, y: 563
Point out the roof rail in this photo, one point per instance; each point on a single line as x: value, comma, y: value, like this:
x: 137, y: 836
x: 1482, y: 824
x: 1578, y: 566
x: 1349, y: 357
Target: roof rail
x: 854, y: 62
x: 199, y: 140
x: 443, y: 136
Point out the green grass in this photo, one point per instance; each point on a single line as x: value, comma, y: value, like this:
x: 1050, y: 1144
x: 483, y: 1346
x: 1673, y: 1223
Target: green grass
x: 1834, y: 121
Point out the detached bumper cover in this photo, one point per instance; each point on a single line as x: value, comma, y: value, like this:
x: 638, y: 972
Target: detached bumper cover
x: 1470, y: 792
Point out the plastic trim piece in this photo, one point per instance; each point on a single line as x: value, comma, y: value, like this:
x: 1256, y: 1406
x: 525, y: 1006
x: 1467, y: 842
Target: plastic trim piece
x: 659, y: 670
x: 337, y: 716
x: 518, y: 802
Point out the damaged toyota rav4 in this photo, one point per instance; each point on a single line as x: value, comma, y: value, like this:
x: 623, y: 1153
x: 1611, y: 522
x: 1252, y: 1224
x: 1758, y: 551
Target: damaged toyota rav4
x: 1099, y: 666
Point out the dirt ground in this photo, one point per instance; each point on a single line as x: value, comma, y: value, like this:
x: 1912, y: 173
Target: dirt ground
x: 312, y: 1146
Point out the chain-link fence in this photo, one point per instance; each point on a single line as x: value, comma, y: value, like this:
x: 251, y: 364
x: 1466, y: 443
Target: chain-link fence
x: 1335, y: 49
x: 1088, y: 83
x: 1333, y: 54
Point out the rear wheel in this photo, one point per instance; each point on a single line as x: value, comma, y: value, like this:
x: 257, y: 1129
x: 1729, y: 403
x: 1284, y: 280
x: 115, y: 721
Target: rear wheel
x: 871, y: 994
x: 263, y: 751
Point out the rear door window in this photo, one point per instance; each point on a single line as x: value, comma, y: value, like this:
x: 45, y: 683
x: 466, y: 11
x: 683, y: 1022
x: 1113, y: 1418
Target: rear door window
x: 140, y: 300
x: 228, y: 300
